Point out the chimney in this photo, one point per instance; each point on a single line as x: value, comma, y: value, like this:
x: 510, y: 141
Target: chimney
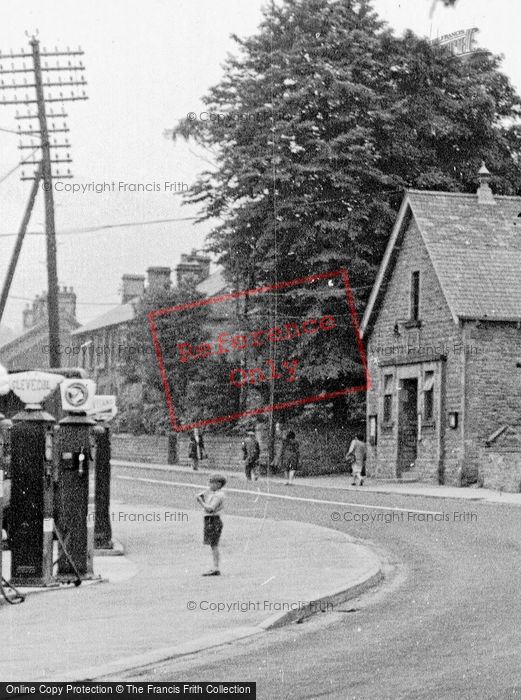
x: 193, y: 268
x: 67, y: 301
x: 203, y: 262
x: 28, y: 317
x: 132, y: 286
x: 39, y: 308
x: 158, y: 279
x: 484, y: 193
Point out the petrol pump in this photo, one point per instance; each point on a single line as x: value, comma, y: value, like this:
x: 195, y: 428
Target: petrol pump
x: 74, y: 502
x: 4, y: 455
x: 5, y: 466
x: 103, y: 410
x: 31, y: 509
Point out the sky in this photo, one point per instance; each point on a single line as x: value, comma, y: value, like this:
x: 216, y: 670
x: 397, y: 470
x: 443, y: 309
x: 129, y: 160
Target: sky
x: 147, y: 65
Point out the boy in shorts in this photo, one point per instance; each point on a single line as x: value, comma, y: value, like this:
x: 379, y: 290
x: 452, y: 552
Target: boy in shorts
x: 213, y: 503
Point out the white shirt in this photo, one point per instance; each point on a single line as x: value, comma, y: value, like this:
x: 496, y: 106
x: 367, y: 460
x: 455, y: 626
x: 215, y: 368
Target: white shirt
x: 214, y: 500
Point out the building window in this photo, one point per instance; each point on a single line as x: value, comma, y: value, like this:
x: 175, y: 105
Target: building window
x: 415, y: 295
x: 428, y: 397
x: 373, y: 439
x: 388, y: 398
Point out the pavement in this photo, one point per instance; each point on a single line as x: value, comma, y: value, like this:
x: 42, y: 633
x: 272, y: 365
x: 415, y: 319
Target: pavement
x: 153, y: 604
x: 343, y: 482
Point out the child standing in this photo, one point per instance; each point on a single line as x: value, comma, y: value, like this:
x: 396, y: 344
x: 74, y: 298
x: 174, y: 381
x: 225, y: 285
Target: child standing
x: 213, y: 503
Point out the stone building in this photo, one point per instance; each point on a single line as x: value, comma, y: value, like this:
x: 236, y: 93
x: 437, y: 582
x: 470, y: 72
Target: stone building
x: 104, y: 345
x: 443, y: 335
x: 30, y: 348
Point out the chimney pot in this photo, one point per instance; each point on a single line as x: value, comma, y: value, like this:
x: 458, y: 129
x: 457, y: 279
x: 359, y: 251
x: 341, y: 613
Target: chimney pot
x: 159, y: 279
x: 485, y: 195
x: 132, y: 286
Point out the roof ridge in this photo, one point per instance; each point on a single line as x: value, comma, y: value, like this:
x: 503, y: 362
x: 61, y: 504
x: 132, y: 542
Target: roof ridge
x: 460, y: 194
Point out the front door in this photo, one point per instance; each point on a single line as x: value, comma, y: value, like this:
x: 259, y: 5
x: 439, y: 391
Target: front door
x: 407, y: 425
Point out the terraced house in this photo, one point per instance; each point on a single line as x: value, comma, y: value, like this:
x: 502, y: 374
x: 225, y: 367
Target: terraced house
x: 443, y: 335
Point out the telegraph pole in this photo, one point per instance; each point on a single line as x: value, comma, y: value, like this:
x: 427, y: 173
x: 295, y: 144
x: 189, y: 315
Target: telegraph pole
x: 50, y: 228
x: 47, y: 160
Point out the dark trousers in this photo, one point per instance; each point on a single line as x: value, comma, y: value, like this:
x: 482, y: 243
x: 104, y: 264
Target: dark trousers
x: 250, y: 468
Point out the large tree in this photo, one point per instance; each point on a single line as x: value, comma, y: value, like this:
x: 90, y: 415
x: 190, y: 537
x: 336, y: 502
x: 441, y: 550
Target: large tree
x: 199, y: 390
x: 318, y: 124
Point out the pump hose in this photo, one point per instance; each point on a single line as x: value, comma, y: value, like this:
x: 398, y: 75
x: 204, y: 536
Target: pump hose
x: 16, y: 598
x: 68, y: 556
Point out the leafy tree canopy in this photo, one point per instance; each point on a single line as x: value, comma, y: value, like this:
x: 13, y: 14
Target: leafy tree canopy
x: 319, y: 122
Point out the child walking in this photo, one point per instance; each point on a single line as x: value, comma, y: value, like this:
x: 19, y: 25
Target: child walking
x: 289, y: 458
x: 213, y: 503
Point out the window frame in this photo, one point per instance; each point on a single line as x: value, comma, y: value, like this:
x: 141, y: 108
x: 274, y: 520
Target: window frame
x: 414, y: 300
x: 388, y: 380
x: 429, y: 380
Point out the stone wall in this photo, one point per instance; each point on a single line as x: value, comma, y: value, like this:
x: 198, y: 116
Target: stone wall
x: 493, y: 385
x: 500, y: 460
x: 322, y: 449
x: 392, y: 343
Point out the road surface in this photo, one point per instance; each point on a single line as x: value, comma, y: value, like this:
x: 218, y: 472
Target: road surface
x: 446, y: 624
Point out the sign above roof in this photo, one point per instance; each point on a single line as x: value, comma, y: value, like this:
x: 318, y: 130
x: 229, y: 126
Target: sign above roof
x: 461, y: 43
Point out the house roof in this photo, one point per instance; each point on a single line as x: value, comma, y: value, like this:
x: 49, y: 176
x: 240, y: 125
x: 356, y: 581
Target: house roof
x: 6, y: 334
x: 119, y: 314
x: 123, y: 313
x: 36, y: 329
x: 475, y: 249
x: 213, y: 284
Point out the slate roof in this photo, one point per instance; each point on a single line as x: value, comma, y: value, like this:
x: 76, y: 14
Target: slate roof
x: 37, y: 328
x: 119, y: 314
x: 6, y: 334
x: 124, y: 313
x: 213, y: 284
x: 475, y: 250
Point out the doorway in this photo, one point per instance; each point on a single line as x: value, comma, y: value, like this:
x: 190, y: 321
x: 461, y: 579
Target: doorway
x: 407, y: 425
